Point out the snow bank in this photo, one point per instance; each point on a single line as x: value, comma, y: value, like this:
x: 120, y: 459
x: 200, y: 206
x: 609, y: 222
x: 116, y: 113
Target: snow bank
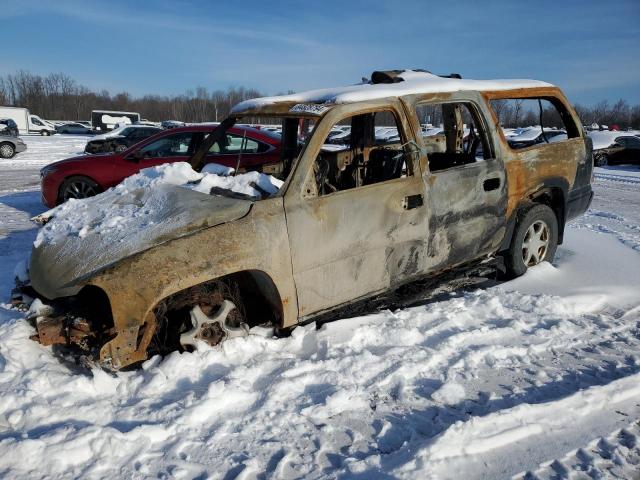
x: 387, y: 392
x: 505, y: 427
x: 588, y: 281
x: 138, y: 202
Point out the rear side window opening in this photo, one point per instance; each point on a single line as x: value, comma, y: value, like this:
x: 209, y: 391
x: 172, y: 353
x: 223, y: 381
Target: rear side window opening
x: 534, y: 121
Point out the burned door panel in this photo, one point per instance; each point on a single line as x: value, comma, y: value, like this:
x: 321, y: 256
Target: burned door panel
x: 352, y: 243
x: 362, y: 238
x: 468, y: 206
x: 466, y: 181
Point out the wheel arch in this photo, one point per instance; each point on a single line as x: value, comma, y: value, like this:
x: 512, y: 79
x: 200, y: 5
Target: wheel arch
x: 552, y: 192
x: 260, y: 295
x: 7, y: 142
x: 71, y: 175
x: 258, y: 287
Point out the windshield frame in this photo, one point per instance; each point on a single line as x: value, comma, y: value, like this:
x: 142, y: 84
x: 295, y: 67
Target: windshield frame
x: 218, y: 131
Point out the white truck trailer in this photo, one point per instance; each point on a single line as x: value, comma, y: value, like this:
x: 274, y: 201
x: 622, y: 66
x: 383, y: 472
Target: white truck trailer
x: 107, y: 120
x: 27, y: 123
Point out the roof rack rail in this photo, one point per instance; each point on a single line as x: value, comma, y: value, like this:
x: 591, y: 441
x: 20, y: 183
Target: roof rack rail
x: 393, y: 76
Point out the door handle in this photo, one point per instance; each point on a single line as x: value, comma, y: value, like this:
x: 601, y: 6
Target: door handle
x: 491, y: 184
x: 412, y: 201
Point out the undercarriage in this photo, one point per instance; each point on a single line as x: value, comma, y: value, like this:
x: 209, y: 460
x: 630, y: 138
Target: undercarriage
x: 81, y: 325
x: 78, y: 327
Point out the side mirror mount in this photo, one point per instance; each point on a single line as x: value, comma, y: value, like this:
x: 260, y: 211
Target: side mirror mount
x: 136, y: 156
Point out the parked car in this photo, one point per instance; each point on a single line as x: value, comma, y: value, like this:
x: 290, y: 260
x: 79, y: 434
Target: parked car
x: 615, y: 148
x: 87, y: 175
x: 73, y: 127
x: 9, y: 127
x: 347, y: 225
x: 533, y: 136
x: 171, y: 124
x: 148, y: 123
x: 120, y: 139
x: 10, y: 145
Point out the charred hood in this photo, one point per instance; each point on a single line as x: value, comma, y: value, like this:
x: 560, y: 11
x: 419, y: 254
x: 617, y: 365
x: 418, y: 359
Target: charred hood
x: 61, y: 263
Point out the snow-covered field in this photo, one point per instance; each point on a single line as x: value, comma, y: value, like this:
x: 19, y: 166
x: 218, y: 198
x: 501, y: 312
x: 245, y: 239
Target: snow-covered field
x: 535, y: 378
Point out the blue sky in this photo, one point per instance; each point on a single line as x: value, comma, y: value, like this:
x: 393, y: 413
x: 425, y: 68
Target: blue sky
x: 589, y: 48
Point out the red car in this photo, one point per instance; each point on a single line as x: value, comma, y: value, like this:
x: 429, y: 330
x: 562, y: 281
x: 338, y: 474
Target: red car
x: 88, y: 175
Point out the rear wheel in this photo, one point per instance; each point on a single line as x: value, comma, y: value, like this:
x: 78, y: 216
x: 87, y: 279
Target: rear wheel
x: 78, y: 187
x: 534, y: 241
x: 7, y: 150
x: 601, y: 159
x: 120, y: 148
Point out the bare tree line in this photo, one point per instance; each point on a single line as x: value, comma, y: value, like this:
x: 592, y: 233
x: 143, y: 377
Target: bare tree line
x: 59, y: 97
x: 518, y: 113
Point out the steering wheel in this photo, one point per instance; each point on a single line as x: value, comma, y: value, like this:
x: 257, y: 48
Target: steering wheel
x: 321, y: 169
x: 473, y: 141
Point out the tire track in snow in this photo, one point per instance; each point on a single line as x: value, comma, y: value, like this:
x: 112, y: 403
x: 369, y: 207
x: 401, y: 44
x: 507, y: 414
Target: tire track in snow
x: 617, y: 178
x: 615, y: 456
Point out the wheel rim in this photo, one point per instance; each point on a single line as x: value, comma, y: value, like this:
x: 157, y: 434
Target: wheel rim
x: 120, y: 148
x: 6, y: 151
x: 535, y: 244
x: 603, y: 161
x: 79, y: 189
x: 225, y: 322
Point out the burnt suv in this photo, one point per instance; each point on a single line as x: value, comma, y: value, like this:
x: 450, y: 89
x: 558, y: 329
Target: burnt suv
x: 349, y: 223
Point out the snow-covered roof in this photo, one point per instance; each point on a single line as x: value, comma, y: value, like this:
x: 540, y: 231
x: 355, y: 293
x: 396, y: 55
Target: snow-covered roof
x: 412, y: 82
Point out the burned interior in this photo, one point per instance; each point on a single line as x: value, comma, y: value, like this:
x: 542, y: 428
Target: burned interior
x: 363, y: 159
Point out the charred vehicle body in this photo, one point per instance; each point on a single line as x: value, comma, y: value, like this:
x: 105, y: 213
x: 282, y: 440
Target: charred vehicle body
x: 350, y: 221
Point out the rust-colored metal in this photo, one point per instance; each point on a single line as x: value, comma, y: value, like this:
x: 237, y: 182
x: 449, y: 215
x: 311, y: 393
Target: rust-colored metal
x: 62, y: 330
x: 52, y: 331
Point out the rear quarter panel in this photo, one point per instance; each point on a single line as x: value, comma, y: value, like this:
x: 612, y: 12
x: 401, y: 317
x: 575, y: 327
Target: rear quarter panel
x: 534, y: 168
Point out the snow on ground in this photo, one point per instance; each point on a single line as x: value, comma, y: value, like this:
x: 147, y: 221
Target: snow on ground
x: 537, y: 378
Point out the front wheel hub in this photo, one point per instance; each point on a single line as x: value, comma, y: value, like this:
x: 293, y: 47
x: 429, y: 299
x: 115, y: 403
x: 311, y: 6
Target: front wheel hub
x: 6, y: 151
x: 223, y: 323
x: 79, y: 190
